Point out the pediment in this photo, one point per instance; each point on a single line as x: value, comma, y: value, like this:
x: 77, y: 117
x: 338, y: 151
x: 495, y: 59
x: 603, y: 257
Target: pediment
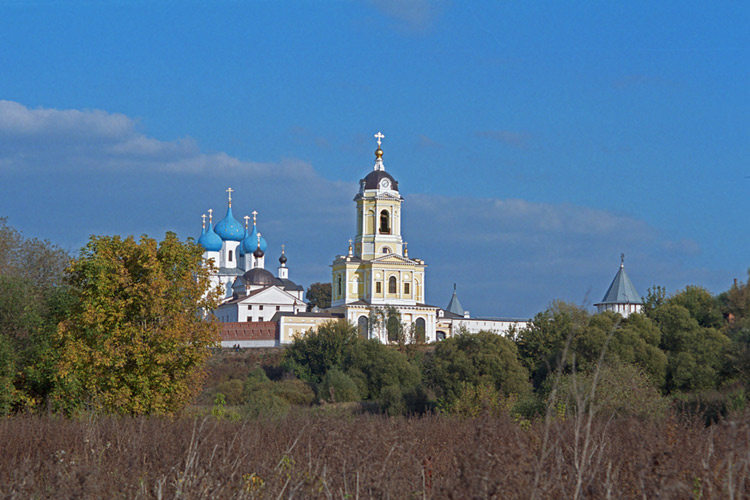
x: 393, y: 259
x: 271, y: 294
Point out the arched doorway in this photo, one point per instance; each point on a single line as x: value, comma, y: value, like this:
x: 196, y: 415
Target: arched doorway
x: 363, y: 326
x: 419, y: 331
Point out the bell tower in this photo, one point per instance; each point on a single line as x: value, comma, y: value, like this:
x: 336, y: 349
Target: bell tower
x: 378, y: 212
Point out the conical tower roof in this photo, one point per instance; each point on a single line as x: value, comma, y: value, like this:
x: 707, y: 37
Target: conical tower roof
x: 454, y: 306
x: 621, y: 291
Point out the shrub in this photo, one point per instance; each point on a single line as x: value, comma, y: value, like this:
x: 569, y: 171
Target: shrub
x: 623, y: 390
x: 391, y: 401
x: 338, y: 387
x: 264, y: 403
x: 233, y: 391
x: 294, y: 391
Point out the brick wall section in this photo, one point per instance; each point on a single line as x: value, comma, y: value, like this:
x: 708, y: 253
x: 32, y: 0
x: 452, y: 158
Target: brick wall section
x: 251, y: 330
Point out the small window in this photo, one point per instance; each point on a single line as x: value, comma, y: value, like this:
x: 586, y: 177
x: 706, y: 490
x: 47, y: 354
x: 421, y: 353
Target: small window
x: 406, y: 288
x: 230, y: 256
x: 260, y: 308
x: 250, y: 307
x: 378, y: 287
x: 278, y: 308
x: 260, y: 318
x: 386, y: 250
x: 392, y: 285
x: 339, y: 285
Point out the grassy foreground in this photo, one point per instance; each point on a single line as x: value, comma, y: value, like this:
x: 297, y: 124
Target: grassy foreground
x: 371, y: 456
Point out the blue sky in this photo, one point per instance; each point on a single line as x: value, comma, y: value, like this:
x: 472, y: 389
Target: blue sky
x: 533, y: 141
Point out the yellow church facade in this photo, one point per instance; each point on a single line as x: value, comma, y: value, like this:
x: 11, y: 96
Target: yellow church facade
x: 376, y: 279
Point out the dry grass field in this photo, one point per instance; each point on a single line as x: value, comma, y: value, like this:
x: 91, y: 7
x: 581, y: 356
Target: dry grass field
x: 371, y: 456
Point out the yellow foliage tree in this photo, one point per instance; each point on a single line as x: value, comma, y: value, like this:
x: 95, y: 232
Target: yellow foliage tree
x: 137, y: 339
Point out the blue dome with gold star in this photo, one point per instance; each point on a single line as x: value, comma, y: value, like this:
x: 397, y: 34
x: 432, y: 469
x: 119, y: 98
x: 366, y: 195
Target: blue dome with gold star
x: 228, y: 228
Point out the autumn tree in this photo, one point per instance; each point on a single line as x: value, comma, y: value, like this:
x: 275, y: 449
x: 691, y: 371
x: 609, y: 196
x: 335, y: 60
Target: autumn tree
x: 137, y: 338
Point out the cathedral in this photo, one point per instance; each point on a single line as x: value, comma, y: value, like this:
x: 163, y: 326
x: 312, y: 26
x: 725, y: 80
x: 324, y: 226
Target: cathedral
x: 251, y: 293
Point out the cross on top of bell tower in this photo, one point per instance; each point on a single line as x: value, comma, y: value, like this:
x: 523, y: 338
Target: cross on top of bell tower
x: 379, y: 153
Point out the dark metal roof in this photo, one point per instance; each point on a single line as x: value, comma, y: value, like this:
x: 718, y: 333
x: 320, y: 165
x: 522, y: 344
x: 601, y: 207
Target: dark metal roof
x: 259, y: 276
x: 372, y: 180
x: 288, y: 284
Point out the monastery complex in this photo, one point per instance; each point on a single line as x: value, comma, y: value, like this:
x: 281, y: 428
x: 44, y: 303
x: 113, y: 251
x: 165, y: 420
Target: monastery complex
x: 376, y: 285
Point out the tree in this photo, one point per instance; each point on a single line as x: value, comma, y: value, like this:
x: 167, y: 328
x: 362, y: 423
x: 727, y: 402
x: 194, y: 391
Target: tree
x: 476, y: 359
x: 701, y: 305
x: 138, y: 336
x: 695, y: 354
x: 318, y: 295
x: 311, y: 355
x: 32, y: 301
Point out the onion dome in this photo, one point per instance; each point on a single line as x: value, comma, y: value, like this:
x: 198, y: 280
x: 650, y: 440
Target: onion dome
x: 379, y: 178
x: 209, y: 240
x: 258, y: 253
x: 228, y: 228
x: 282, y: 259
x: 254, y: 239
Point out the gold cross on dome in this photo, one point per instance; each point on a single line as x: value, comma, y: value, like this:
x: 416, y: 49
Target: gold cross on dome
x: 230, y: 191
x: 379, y: 136
x: 247, y: 218
x: 255, y: 214
x: 210, y: 215
x: 204, y: 220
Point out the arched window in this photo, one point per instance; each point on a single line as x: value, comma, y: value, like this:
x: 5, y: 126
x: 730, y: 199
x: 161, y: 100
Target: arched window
x: 419, y: 331
x: 392, y: 285
x: 393, y: 326
x: 230, y: 256
x: 362, y: 326
x: 385, y: 222
x: 386, y: 250
x: 339, y: 285
x: 440, y: 335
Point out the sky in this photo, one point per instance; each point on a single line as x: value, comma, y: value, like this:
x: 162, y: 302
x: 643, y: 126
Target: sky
x: 533, y: 142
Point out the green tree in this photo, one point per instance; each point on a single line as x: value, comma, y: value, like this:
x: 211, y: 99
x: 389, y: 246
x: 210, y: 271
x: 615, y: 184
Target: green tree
x: 377, y: 366
x: 695, y: 354
x: 702, y: 306
x: 32, y: 301
x: 311, y: 355
x: 318, y: 295
x: 137, y: 338
x: 542, y: 343
x: 475, y: 359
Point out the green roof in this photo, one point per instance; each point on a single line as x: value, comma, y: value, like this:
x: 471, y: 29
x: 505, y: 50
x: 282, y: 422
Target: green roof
x: 454, y: 306
x: 621, y: 291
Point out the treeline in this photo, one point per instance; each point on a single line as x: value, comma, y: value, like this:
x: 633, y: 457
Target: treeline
x: 122, y: 329
x: 687, y: 352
